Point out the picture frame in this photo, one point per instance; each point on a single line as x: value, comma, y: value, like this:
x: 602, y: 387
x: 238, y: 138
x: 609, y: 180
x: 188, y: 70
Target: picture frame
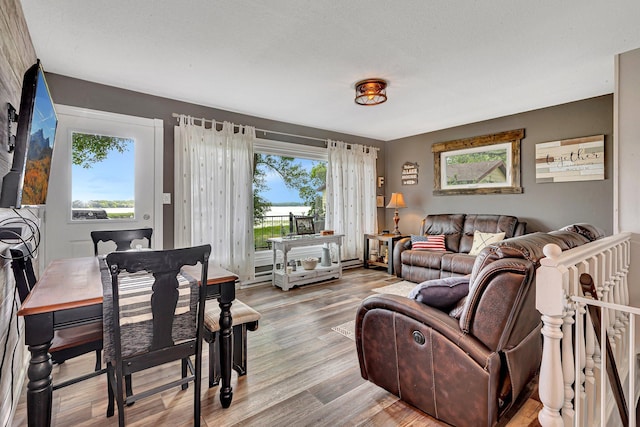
x: 487, y: 164
x: 304, y: 225
x: 409, y: 173
x: 380, y: 201
x: 576, y: 159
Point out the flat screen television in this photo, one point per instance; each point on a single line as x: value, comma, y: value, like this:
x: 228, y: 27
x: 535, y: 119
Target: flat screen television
x: 27, y: 182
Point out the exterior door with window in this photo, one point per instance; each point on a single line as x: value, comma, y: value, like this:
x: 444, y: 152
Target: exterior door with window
x: 106, y: 174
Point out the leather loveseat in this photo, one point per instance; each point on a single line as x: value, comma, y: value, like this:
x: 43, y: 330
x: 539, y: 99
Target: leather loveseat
x: 465, y: 371
x: 458, y: 229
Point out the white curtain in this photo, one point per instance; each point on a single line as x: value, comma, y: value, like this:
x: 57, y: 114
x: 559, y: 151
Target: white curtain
x: 351, y: 194
x: 214, y: 193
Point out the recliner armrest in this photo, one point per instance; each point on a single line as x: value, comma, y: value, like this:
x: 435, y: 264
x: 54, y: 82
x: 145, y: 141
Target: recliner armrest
x: 401, y: 245
x: 440, y: 321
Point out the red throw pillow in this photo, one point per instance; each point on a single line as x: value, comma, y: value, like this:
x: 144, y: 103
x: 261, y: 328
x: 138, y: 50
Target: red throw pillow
x: 431, y: 243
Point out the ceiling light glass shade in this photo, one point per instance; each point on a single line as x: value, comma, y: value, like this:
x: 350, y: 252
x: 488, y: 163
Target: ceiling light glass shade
x: 371, y: 92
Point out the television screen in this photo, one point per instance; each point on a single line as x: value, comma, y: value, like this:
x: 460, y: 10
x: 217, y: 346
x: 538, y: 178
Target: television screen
x: 28, y: 180
x: 40, y: 148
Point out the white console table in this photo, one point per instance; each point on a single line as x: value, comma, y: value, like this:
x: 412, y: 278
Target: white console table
x: 301, y: 276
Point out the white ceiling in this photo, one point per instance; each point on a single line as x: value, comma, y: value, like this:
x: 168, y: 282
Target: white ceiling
x: 447, y: 62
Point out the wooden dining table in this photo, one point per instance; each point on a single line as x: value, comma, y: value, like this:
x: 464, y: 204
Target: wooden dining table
x: 69, y: 293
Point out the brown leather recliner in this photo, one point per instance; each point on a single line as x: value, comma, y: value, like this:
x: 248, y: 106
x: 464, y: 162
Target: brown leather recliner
x: 466, y: 371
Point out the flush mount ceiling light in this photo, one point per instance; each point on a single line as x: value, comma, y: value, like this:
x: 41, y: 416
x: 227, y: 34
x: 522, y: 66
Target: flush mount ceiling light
x: 371, y: 92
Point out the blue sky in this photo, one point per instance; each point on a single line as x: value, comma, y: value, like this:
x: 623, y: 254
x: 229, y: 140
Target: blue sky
x: 111, y: 179
x: 278, y: 192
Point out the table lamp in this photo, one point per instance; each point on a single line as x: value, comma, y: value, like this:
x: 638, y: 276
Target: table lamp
x: 397, y: 202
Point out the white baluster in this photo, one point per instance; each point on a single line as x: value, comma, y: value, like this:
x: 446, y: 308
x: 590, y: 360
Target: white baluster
x: 590, y: 379
x: 597, y: 360
x: 609, y: 289
x: 568, y: 367
x: 626, y: 257
x: 550, y: 301
x: 575, y: 348
x: 622, y: 320
x: 550, y: 387
x: 613, y: 330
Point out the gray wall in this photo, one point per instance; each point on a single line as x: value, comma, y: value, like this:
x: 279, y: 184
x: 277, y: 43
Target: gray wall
x: 544, y: 206
x: 80, y: 93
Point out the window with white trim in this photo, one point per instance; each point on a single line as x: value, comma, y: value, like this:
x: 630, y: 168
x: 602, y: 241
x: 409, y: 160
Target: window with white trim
x: 290, y: 179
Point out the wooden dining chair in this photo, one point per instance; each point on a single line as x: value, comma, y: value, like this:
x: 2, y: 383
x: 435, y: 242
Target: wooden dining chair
x: 122, y: 238
x: 153, y: 315
x: 69, y: 342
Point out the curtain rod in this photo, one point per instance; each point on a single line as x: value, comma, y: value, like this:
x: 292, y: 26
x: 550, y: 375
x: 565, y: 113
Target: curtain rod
x: 257, y: 130
x: 326, y: 141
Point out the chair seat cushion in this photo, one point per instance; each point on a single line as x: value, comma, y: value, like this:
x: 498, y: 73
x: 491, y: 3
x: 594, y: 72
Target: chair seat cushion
x: 240, y: 313
x: 427, y: 259
x: 454, y: 264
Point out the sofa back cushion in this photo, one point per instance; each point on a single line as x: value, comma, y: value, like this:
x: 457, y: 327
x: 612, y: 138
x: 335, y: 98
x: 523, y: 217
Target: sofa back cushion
x: 486, y: 224
x: 589, y: 231
x: 450, y: 225
x: 527, y: 247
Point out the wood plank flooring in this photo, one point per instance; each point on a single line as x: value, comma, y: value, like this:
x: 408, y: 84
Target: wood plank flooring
x: 300, y: 372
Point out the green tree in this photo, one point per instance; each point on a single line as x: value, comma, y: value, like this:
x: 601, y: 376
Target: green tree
x: 311, y: 193
x: 293, y: 175
x: 483, y: 156
x: 89, y: 149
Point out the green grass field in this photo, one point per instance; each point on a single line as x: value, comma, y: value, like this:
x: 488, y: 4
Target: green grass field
x: 261, y: 233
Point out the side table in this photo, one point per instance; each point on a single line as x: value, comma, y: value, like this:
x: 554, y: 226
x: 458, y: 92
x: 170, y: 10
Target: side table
x: 287, y: 280
x: 388, y: 240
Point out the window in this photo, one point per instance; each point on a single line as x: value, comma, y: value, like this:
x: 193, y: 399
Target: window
x: 289, y: 181
x: 102, y: 177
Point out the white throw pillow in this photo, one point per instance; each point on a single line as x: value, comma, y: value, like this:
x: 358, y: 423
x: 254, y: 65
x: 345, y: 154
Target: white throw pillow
x: 481, y: 240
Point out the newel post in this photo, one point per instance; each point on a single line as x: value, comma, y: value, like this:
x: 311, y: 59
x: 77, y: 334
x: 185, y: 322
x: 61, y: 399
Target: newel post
x: 550, y: 302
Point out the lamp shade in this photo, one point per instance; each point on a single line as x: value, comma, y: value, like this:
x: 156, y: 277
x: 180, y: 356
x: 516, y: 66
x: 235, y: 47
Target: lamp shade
x: 397, y: 201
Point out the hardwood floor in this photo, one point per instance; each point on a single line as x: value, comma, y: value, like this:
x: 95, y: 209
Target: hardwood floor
x: 300, y: 372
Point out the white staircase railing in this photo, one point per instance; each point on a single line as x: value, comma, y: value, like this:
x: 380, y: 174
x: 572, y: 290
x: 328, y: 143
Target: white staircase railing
x: 573, y: 387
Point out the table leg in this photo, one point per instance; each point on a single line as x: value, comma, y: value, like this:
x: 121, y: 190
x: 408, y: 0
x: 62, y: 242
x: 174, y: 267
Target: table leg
x: 365, y: 260
x: 226, y: 345
x: 38, y: 336
x: 273, y: 269
x: 390, y: 256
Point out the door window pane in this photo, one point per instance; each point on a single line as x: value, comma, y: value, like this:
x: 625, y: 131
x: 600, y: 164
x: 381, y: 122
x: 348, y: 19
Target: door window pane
x: 102, y: 177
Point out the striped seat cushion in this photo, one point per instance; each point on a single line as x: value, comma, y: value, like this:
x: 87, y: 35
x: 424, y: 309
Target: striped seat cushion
x: 240, y: 313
